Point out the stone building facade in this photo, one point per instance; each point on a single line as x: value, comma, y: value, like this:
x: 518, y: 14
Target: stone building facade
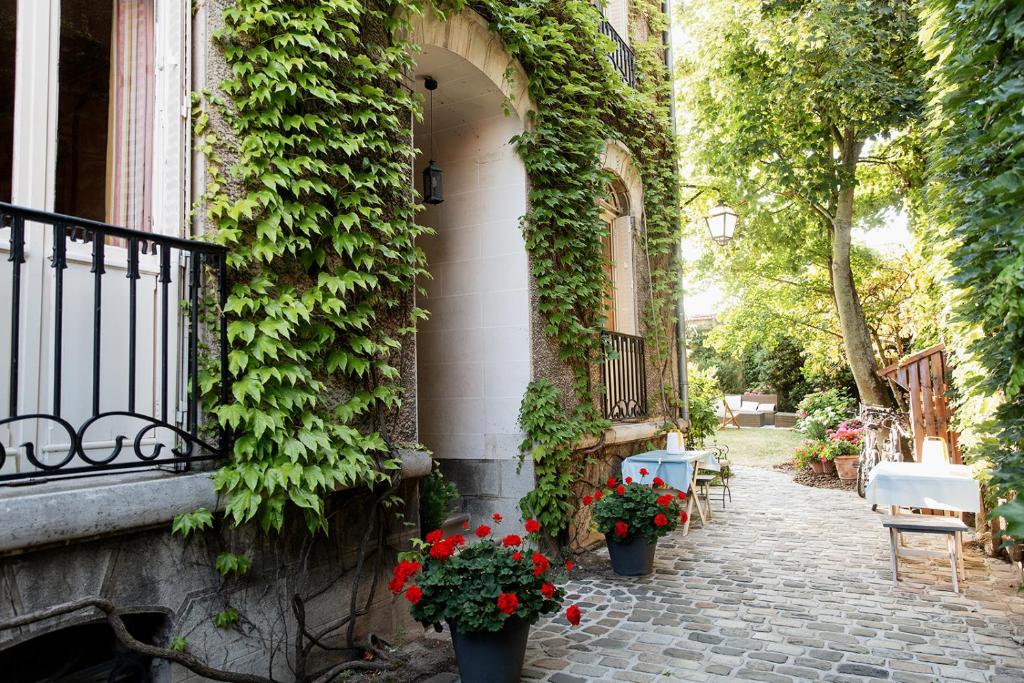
x: 68, y: 539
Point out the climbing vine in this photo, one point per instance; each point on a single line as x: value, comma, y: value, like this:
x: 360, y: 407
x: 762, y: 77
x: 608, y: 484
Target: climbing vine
x: 308, y: 145
x: 581, y: 103
x: 317, y: 208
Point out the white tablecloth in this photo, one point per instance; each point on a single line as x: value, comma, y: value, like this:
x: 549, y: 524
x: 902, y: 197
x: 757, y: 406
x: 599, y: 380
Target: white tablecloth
x: 676, y: 470
x: 911, y: 484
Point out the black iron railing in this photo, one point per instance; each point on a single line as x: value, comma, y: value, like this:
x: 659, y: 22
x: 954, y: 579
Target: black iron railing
x: 622, y: 55
x: 77, y: 383
x: 624, y: 376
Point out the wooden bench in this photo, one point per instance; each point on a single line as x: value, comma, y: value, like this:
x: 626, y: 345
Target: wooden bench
x: 926, y: 524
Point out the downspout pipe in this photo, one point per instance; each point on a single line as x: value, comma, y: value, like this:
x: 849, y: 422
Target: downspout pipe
x: 681, y: 372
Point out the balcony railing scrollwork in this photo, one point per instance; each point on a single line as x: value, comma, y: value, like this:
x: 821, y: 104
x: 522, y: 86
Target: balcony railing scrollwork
x: 622, y: 56
x: 104, y: 375
x: 624, y: 376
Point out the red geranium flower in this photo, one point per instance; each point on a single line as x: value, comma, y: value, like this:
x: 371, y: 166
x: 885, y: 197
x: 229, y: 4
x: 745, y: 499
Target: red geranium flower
x: 620, y: 489
x: 587, y: 500
x: 396, y: 584
x: 683, y: 517
x: 665, y: 501
x: 548, y: 590
x: 658, y: 482
x: 660, y: 520
x: 643, y: 472
x: 540, y: 564
x: 569, y: 565
x: 629, y: 480
x: 465, y: 524
x: 457, y: 540
x: 406, y: 568
x: 681, y: 495
x: 442, y: 550
x: 598, y: 495
x: 532, y: 526
x: 573, y: 615
x: 511, y: 540
x: 508, y: 603
x: 414, y: 594
x: 496, y: 517
x: 483, y: 531
x: 612, y: 482
x: 517, y: 556
x: 434, y: 536
x: 621, y: 529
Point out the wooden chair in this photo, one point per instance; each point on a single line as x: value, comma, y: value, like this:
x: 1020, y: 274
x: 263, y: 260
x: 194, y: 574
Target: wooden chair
x: 953, y: 529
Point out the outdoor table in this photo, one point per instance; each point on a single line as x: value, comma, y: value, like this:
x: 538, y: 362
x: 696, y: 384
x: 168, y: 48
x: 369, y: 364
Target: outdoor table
x: 677, y: 470
x: 912, y: 484
x: 915, y: 485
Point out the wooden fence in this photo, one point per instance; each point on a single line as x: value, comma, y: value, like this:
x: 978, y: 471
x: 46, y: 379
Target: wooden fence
x: 925, y: 376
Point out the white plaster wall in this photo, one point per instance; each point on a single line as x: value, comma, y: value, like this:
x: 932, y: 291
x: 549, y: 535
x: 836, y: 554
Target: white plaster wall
x: 474, y: 351
x: 617, y: 13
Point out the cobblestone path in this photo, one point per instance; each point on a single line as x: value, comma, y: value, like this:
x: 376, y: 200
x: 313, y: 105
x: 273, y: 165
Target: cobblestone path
x: 789, y: 583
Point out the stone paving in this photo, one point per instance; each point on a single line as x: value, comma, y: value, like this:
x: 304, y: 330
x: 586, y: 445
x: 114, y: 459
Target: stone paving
x: 789, y: 583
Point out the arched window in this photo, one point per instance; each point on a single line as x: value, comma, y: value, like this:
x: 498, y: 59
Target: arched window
x: 619, y: 302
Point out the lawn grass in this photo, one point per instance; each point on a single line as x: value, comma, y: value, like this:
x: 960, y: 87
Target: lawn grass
x: 757, y: 447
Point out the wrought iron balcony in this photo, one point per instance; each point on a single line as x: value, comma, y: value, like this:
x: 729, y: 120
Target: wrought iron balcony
x: 622, y: 55
x: 103, y: 333
x: 624, y: 376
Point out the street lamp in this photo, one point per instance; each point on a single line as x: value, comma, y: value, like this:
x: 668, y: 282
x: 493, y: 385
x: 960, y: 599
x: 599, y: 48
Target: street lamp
x: 721, y: 223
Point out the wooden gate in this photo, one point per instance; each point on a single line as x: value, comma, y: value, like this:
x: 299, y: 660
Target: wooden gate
x: 925, y: 376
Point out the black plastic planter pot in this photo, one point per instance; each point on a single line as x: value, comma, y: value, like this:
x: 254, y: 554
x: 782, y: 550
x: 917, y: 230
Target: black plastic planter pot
x: 632, y: 557
x: 491, y: 657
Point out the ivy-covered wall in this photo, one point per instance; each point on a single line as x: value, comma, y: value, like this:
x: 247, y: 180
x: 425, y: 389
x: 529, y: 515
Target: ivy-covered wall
x: 304, y: 135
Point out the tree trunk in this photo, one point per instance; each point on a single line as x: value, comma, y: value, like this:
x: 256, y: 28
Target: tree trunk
x: 856, y: 336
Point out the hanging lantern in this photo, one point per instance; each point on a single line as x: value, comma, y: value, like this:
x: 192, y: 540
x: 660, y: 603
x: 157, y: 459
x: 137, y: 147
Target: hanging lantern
x: 721, y: 223
x: 433, y: 192
x: 433, y: 189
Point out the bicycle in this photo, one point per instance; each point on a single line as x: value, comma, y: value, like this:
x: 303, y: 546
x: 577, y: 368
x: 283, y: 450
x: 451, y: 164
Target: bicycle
x: 884, y: 431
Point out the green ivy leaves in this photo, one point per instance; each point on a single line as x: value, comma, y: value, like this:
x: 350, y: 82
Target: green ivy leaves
x: 317, y: 209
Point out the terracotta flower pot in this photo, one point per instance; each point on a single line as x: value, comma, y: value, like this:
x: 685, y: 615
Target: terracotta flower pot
x: 829, y: 467
x: 491, y: 657
x: 846, y: 466
x: 817, y: 467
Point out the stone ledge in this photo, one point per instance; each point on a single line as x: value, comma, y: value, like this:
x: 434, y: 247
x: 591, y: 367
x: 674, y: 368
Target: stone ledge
x: 58, y: 512
x: 626, y: 432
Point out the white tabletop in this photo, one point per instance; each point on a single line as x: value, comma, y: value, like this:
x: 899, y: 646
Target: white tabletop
x: 911, y: 484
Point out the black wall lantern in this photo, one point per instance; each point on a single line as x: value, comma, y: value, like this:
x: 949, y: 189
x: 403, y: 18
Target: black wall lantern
x: 433, y: 190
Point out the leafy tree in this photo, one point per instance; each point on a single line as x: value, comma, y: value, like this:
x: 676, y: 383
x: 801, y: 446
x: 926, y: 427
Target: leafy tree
x: 795, y: 109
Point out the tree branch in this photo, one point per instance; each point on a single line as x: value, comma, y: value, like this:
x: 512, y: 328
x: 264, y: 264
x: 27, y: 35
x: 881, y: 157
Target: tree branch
x: 122, y: 634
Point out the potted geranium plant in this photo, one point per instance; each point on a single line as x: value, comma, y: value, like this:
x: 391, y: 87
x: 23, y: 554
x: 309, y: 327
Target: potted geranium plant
x: 489, y: 592
x: 844, y: 448
x: 809, y: 455
x: 632, y: 518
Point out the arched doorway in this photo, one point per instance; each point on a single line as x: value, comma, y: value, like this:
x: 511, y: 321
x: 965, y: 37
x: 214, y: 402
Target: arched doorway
x: 473, y: 353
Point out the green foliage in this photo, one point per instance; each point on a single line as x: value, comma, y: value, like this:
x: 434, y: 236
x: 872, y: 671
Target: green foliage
x: 796, y: 114
x: 823, y: 411
x: 583, y: 102
x: 976, y: 194
x: 179, y: 644
x: 550, y: 439
x: 464, y: 588
x: 705, y: 395
x: 229, y: 563
x: 226, y: 618
x: 436, y: 494
x: 638, y: 507
x: 188, y: 523
x: 319, y: 215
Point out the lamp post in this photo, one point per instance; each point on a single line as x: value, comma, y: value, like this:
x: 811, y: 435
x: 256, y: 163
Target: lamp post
x: 721, y: 223
x: 433, y: 190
